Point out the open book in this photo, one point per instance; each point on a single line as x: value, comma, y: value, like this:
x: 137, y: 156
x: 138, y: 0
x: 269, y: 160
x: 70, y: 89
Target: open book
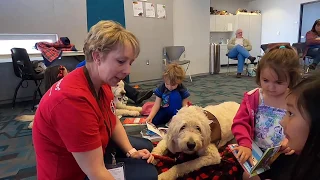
x: 153, y: 133
x: 261, y: 161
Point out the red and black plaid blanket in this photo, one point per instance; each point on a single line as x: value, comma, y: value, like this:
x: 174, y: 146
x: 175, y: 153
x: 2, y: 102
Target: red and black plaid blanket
x: 228, y: 169
x: 53, y: 51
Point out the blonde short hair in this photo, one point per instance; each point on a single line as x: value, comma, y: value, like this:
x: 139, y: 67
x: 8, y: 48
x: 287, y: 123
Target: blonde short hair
x: 106, y: 36
x: 174, y: 73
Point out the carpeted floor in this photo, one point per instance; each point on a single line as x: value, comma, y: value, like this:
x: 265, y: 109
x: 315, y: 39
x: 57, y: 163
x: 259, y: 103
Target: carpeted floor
x: 17, y: 157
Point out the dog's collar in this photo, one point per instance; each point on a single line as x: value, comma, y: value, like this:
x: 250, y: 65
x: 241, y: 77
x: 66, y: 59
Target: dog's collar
x: 215, y: 126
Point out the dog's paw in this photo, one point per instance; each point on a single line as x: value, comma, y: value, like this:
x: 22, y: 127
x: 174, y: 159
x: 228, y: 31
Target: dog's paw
x: 166, y: 176
x: 139, y: 109
x: 134, y: 113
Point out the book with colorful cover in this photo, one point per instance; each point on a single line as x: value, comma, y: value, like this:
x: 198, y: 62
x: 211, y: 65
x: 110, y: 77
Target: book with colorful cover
x: 134, y: 121
x: 261, y: 160
x: 153, y: 133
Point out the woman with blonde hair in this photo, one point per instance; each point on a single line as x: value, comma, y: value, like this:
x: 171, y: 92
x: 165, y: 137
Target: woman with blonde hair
x: 76, y: 133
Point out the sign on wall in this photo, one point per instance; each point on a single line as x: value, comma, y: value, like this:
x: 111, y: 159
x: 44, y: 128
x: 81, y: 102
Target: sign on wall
x: 161, y: 11
x: 150, y: 10
x: 137, y: 8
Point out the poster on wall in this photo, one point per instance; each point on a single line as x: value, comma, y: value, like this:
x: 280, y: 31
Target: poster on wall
x: 161, y: 11
x: 137, y: 8
x: 150, y: 10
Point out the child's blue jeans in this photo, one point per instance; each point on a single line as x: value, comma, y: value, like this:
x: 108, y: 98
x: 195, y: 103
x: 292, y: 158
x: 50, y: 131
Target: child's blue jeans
x: 166, y: 113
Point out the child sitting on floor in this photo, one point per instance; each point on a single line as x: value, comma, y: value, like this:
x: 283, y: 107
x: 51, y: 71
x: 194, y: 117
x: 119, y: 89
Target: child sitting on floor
x: 170, y: 96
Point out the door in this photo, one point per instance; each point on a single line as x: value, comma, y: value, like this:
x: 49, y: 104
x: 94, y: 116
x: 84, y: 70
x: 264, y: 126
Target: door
x: 310, y: 13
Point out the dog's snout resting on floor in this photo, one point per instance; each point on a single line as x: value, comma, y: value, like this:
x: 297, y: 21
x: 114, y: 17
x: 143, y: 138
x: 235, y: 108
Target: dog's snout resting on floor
x: 121, y: 100
x: 196, y: 130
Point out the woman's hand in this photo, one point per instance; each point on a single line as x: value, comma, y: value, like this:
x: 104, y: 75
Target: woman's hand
x: 143, y: 154
x: 244, y: 154
x: 285, y: 148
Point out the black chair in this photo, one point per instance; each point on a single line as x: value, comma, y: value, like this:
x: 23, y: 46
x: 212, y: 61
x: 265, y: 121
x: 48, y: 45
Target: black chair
x: 301, y: 48
x: 23, y: 68
x: 264, y: 47
x: 228, y: 65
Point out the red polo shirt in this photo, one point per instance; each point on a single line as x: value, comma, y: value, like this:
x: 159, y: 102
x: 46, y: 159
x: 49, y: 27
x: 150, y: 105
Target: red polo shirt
x: 69, y: 119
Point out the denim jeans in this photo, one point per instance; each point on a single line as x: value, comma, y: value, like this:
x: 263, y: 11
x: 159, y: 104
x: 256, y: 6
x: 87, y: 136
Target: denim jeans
x: 166, y: 113
x: 315, y: 54
x: 241, y: 54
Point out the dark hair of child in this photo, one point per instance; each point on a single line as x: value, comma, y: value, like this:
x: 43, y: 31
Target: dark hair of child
x: 53, y: 74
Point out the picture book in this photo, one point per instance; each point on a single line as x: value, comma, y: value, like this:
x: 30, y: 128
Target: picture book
x: 261, y: 160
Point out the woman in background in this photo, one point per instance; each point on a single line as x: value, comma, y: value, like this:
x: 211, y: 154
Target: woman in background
x: 313, y: 44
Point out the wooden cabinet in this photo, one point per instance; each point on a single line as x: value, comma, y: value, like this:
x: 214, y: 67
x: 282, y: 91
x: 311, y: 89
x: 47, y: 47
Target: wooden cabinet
x: 222, y: 23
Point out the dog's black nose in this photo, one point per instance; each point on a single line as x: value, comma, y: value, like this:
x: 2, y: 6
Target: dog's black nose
x: 191, y: 145
x: 123, y: 93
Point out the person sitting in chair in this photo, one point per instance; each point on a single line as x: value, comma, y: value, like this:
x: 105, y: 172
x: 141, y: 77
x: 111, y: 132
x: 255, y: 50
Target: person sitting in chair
x: 239, y: 48
x: 313, y: 44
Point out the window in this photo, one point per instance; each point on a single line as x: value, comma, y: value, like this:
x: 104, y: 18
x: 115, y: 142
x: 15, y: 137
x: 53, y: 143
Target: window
x: 27, y: 41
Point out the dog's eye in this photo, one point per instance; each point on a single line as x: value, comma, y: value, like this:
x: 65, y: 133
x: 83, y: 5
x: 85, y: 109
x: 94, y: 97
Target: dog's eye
x: 198, y: 128
x: 182, y: 128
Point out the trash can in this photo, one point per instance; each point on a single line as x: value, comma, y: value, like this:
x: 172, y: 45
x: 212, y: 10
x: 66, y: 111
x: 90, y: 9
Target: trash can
x: 214, y: 62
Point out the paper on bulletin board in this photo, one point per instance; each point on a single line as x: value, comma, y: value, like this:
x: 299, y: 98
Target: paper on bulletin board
x: 150, y: 10
x: 137, y: 8
x: 161, y: 11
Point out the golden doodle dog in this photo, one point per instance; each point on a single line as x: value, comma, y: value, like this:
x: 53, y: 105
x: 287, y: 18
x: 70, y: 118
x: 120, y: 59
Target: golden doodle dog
x: 120, y: 100
x: 197, y: 130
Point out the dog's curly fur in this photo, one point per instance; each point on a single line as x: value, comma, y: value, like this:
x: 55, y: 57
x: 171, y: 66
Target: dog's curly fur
x: 121, y: 102
x: 191, y: 126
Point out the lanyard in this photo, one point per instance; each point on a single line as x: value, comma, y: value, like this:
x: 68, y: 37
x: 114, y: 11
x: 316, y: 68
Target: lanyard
x: 97, y: 97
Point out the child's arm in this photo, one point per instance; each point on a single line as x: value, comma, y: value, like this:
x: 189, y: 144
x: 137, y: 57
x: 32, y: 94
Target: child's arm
x: 241, y: 125
x: 185, y: 102
x: 184, y: 95
x: 154, y: 109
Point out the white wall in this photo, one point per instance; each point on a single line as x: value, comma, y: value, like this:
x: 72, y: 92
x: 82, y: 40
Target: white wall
x: 191, y: 28
x: 62, y: 17
x: 229, y: 5
x: 280, y: 19
x: 153, y: 34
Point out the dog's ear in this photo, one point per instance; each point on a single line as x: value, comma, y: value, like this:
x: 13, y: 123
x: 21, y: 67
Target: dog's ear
x: 173, y: 131
x: 206, y: 132
x: 171, y: 144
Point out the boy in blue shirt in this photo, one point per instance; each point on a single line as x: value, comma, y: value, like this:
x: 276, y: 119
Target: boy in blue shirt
x: 171, y: 95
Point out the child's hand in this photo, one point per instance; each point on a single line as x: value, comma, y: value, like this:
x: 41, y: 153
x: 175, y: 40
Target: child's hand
x: 149, y: 120
x: 244, y: 154
x: 285, y: 148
